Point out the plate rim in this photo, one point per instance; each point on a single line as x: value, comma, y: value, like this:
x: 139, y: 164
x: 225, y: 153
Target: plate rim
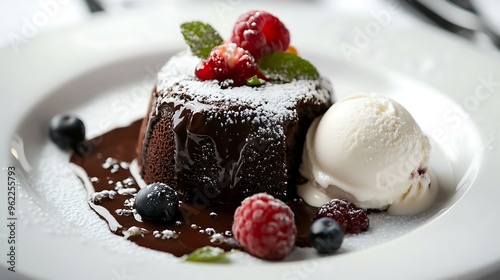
x: 49, y: 39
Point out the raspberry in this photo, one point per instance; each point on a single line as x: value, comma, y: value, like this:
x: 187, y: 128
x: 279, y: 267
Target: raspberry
x: 265, y: 227
x: 351, y: 218
x: 260, y: 33
x: 215, y: 68
x: 228, y: 62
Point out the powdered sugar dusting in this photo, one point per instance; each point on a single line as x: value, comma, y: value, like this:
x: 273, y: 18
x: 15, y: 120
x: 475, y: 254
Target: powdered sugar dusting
x: 57, y: 186
x: 272, y: 101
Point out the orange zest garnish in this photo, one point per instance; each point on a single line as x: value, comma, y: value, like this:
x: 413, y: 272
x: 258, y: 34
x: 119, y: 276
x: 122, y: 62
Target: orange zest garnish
x: 292, y: 49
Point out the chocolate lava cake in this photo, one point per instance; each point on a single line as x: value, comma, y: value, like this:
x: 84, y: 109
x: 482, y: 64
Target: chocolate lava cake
x: 218, y: 145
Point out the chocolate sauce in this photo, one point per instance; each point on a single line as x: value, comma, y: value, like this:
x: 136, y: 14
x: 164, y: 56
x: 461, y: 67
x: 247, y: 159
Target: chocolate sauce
x: 194, y: 136
x: 107, y: 168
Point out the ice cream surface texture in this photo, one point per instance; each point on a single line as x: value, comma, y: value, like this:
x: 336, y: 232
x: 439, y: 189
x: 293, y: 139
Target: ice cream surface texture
x: 369, y: 150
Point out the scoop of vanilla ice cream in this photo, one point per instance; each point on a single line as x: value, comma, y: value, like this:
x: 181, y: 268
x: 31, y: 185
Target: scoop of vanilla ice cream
x: 369, y: 150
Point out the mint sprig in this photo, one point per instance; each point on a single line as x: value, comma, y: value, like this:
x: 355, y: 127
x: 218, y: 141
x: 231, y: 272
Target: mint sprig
x: 201, y: 37
x: 207, y: 254
x: 287, y: 67
x: 254, y: 81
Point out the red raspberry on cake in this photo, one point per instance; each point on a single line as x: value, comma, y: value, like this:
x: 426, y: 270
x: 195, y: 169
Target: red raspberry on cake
x: 228, y: 62
x: 351, y: 218
x: 260, y: 33
x: 265, y: 227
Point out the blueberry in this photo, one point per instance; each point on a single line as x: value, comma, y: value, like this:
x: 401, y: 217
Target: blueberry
x: 326, y: 235
x: 67, y: 131
x: 157, y: 201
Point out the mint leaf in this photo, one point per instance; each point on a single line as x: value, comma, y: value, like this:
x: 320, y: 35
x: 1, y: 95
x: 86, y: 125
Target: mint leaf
x: 286, y: 67
x: 207, y: 254
x: 254, y: 81
x: 200, y: 37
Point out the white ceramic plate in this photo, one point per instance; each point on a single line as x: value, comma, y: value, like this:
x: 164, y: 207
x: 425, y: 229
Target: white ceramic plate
x: 104, y: 70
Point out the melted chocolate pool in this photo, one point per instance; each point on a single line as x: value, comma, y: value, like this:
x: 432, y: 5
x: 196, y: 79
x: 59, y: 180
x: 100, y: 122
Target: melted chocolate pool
x: 107, y: 167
